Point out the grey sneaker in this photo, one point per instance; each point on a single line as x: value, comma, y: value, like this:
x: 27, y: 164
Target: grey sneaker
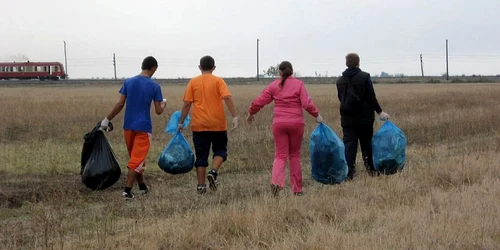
x: 212, y: 179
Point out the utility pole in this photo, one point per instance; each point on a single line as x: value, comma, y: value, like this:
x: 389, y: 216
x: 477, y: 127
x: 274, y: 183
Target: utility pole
x: 447, y: 72
x: 65, y: 61
x: 257, y: 59
x: 422, y: 65
x: 114, y: 64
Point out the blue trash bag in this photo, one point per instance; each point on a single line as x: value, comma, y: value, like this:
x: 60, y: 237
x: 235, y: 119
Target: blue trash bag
x: 174, y: 121
x: 327, y: 152
x: 177, y: 157
x: 389, y: 149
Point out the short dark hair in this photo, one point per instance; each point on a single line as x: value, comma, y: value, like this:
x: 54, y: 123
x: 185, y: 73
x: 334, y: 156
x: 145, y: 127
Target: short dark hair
x: 207, y: 63
x: 149, y: 63
x: 352, y: 60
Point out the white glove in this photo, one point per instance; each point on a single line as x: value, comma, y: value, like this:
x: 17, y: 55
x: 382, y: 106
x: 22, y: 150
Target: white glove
x: 104, y: 124
x: 384, y: 116
x: 319, y: 119
x: 235, y: 123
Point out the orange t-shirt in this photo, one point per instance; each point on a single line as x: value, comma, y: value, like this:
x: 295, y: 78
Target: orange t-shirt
x: 206, y: 93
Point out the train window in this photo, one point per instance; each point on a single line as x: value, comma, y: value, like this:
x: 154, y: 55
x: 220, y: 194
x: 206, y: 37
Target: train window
x: 21, y: 69
x: 56, y: 69
x: 39, y: 68
x: 14, y: 69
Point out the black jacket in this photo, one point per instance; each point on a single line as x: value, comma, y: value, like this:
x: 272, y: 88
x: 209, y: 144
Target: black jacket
x: 363, y: 86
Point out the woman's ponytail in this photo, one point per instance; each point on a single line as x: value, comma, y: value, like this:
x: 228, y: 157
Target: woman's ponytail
x: 286, y: 71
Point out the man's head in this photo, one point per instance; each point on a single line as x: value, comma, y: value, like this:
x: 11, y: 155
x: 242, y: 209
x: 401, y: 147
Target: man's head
x: 149, y: 65
x: 207, y: 64
x: 352, y: 60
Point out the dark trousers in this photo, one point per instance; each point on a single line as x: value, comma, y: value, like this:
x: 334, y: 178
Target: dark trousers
x: 352, y: 134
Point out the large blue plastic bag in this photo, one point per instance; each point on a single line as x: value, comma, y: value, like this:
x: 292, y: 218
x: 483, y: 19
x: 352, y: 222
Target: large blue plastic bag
x: 174, y: 122
x: 327, y: 152
x: 389, y: 149
x: 177, y: 157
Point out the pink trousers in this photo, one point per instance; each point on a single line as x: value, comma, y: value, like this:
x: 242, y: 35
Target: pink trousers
x: 287, y: 143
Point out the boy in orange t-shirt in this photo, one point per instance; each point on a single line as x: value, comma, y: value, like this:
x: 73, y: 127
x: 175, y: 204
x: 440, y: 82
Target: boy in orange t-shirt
x: 208, y: 120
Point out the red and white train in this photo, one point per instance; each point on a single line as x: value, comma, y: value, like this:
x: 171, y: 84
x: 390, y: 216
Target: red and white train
x: 32, y: 70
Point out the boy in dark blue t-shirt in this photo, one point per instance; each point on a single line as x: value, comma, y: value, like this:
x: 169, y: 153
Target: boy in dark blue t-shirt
x: 137, y: 93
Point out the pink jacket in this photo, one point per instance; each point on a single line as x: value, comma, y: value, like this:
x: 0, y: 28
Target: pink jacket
x: 288, y: 101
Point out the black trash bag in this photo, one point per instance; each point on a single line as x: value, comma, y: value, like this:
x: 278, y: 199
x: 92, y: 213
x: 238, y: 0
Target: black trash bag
x: 99, y: 167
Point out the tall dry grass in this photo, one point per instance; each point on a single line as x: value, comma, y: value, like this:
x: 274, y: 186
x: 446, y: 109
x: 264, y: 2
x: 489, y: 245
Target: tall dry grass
x: 446, y: 198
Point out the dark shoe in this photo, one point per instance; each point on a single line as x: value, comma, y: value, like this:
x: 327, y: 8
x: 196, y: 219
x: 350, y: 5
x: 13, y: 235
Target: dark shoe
x: 201, y: 189
x: 143, y: 191
x: 128, y: 196
x: 349, y: 177
x: 212, y: 180
x: 351, y: 173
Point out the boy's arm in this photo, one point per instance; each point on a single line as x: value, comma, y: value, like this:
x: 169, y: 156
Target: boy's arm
x: 188, y: 101
x: 185, y: 111
x: 372, y: 97
x: 115, y: 111
x: 160, y: 103
x: 230, y: 105
x: 117, y: 108
x: 160, y: 107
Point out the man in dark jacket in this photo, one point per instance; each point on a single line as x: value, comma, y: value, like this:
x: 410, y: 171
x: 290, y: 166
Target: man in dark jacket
x: 357, y: 105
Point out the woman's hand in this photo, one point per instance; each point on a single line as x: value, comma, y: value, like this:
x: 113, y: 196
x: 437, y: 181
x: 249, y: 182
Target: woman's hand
x: 250, y: 119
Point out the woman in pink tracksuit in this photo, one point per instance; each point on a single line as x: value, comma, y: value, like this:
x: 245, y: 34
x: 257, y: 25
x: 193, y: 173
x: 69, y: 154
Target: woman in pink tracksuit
x: 290, y: 97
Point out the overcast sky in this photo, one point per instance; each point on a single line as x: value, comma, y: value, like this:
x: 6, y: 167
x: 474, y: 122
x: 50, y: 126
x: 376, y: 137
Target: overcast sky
x: 314, y: 35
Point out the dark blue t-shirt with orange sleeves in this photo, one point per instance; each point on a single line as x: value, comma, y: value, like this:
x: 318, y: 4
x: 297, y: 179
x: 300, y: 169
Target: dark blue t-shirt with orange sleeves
x: 140, y: 91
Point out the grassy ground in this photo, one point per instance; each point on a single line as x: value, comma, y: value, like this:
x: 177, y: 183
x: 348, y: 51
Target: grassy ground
x: 446, y: 198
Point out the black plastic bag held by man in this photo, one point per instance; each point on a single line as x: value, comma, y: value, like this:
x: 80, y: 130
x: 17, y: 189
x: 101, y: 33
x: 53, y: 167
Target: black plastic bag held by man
x: 99, y: 167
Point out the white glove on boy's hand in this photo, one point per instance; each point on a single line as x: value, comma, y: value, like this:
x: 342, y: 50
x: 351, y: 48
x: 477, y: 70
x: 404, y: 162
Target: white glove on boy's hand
x: 384, y: 116
x: 319, y: 119
x: 235, y: 123
x: 104, y: 124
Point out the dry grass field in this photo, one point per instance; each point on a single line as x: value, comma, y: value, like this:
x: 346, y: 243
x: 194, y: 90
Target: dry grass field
x: 446, y: 198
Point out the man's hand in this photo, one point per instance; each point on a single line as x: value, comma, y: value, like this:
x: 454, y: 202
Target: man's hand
x: 319, y: 119
x: 235, y: 123
x: 250, y: 118
x: 180, y: 127
x: 104, y: 125
x: 384, y: 116
x: 164, y: 103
